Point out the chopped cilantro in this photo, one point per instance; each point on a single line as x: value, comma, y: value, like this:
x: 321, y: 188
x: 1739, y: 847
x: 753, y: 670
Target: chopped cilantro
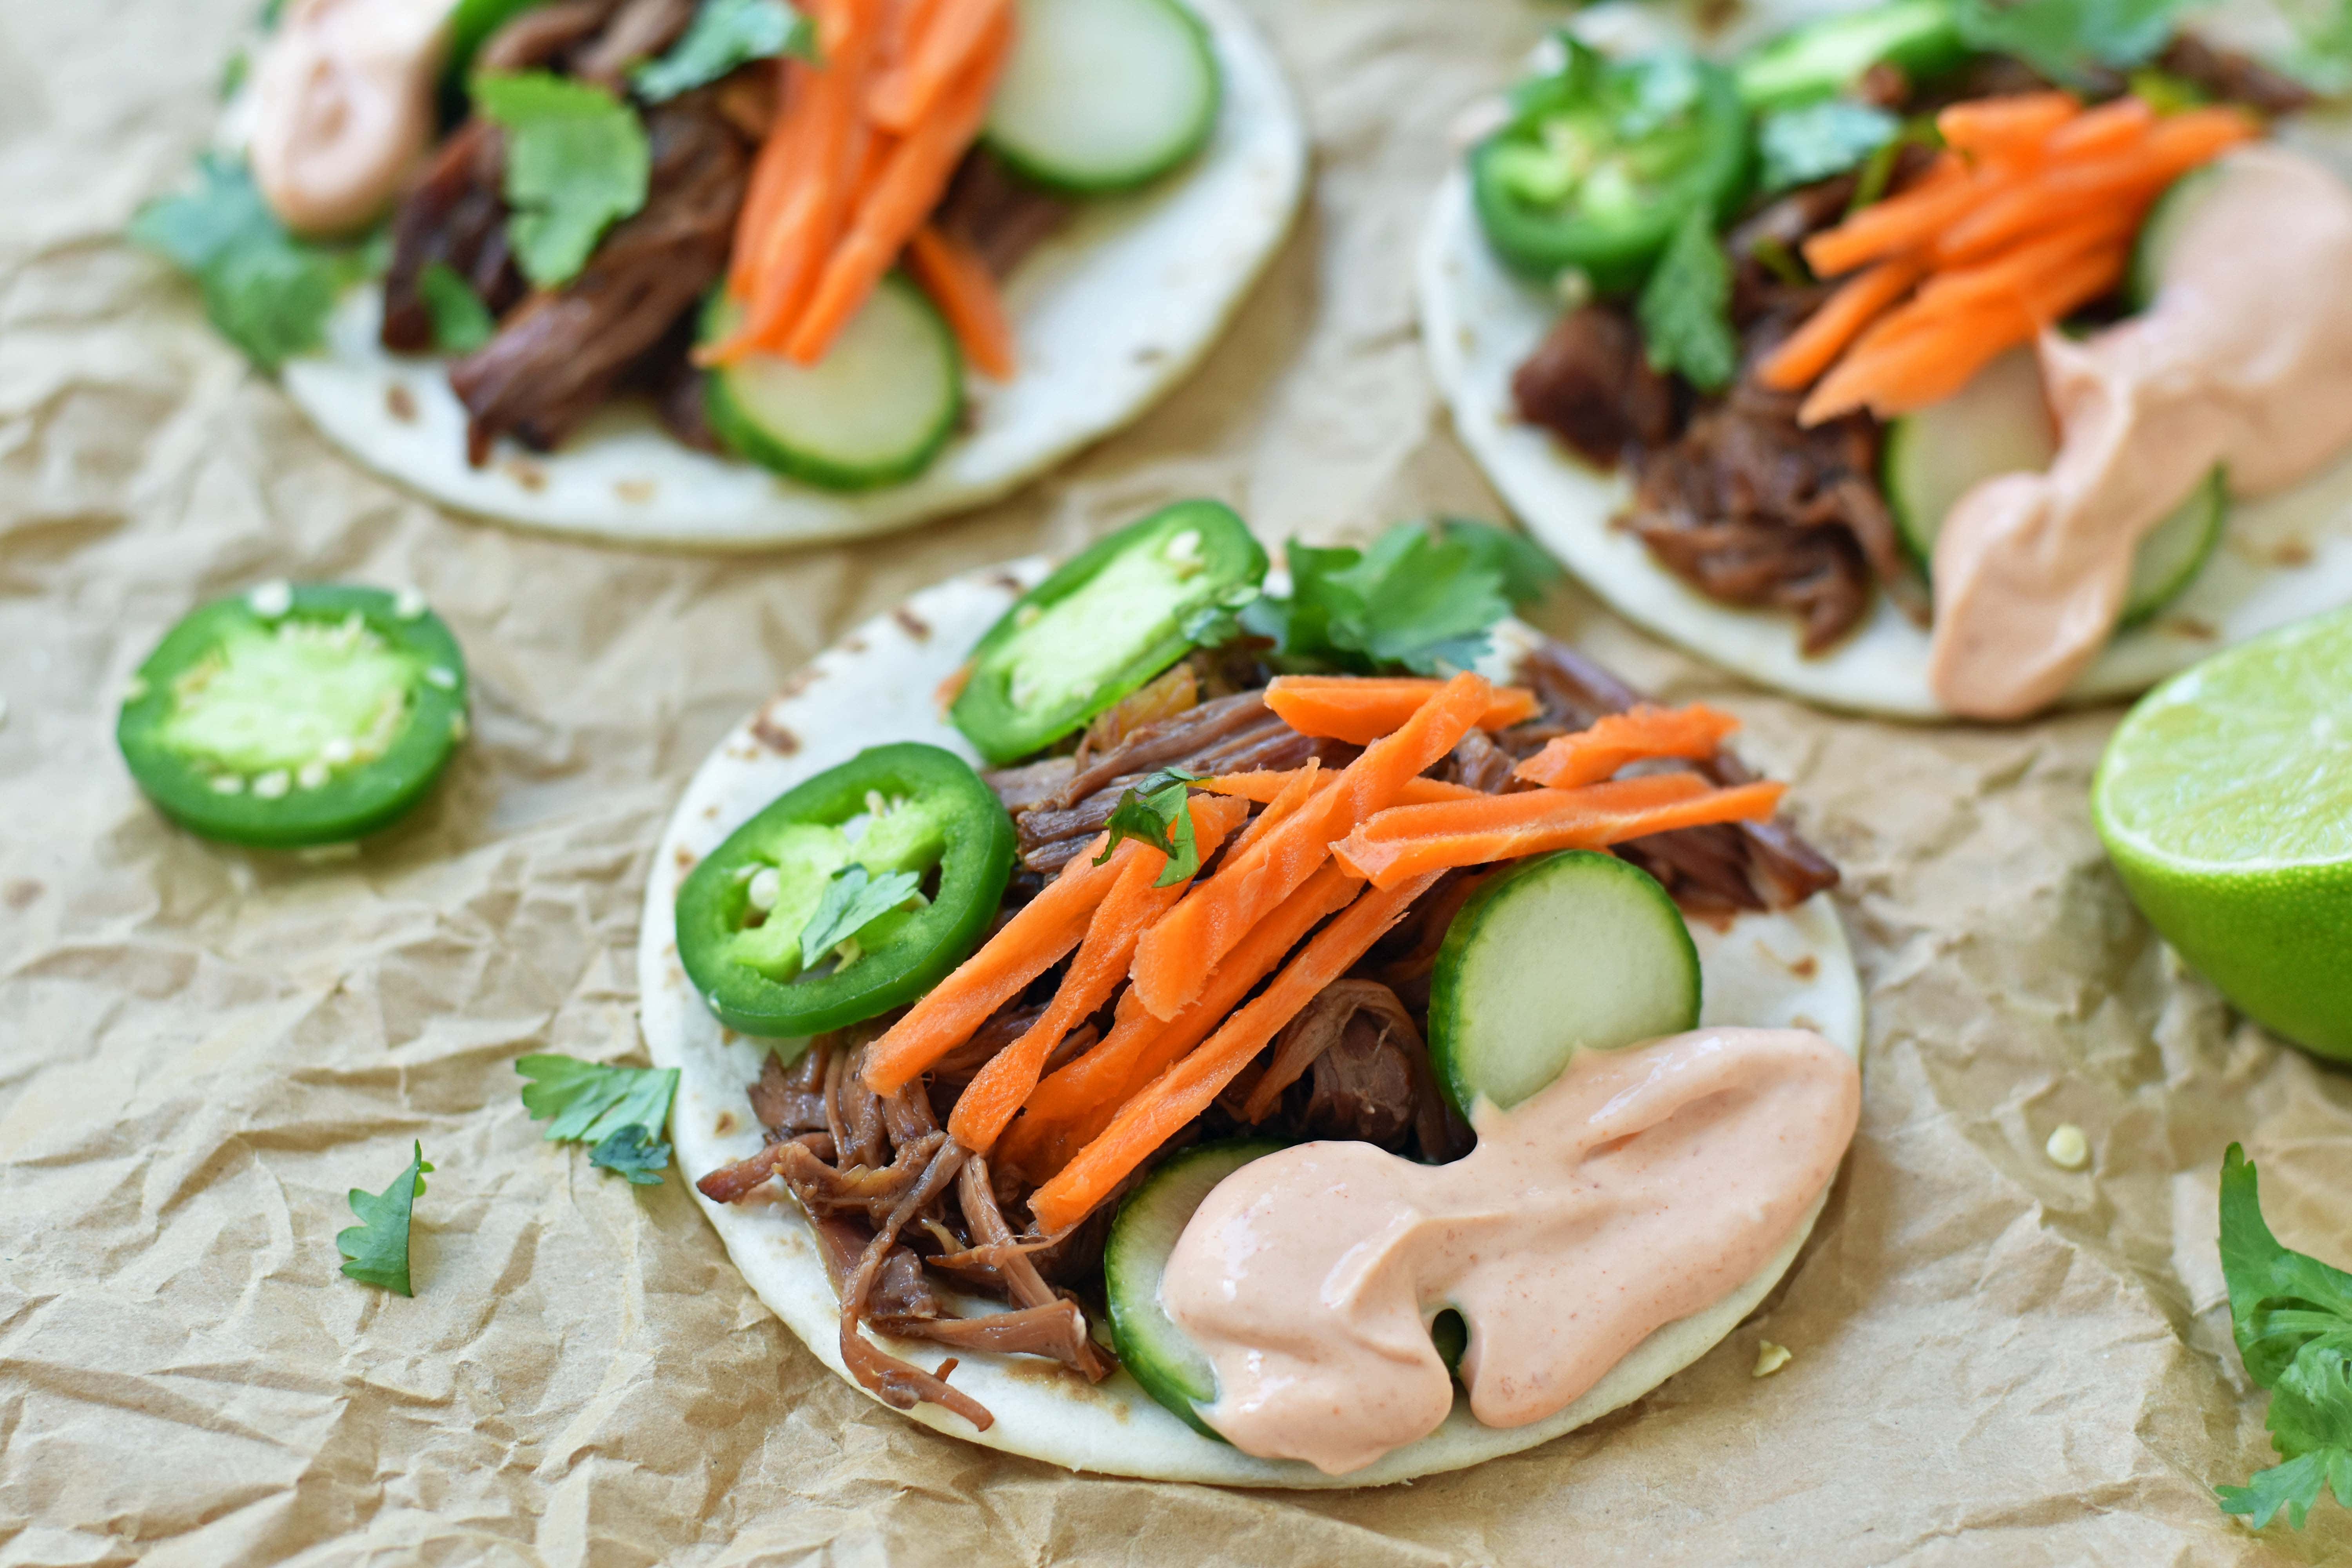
x: 268, y: 292
x: 577, y: 162
x: 2069, y: 40
x: 1685, y: 307
x: 725, y: 35
x: 853, y: 901
x: 1818, y: 140
x: 375, y: 1250
x: 1152, y: 813
x: 633, y: 1152
x: 2292, y: 1315
x: 461, y: 322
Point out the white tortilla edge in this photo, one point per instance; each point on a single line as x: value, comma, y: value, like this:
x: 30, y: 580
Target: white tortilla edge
x: 1792, y: 969
x: 2281, y: 559
x: 1111, y: 313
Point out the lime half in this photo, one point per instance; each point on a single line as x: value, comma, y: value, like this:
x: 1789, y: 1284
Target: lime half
x: 2225, y: 798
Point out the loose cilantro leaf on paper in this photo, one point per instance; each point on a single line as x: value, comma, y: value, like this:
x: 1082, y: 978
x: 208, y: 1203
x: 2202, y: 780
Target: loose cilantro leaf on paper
x: 853, y: 901
x: 1685, y: 307
x: 1153, y: 813
x: 375, y: 1250
x: 2292, y: 1317
x: 2068, y: 40
x: 577, y: 162
x: 634, y: 1152
x: 725, y: 34
x: 1423, y: 598
x: 589, y: 1101
x: 1818, y: 140
x: 461, y: 322
x: 268, y: 292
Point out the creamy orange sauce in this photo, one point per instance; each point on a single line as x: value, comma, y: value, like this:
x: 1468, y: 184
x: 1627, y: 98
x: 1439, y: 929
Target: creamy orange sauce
x: 2244, y: 359
x: 1641, y: 1186
x: 343, y: 106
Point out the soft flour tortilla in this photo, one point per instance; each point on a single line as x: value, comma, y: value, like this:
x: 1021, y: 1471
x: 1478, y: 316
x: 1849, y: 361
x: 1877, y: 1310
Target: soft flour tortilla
x: 1792, y: 969
x: 2281, y: 559
x: 1111, y: 312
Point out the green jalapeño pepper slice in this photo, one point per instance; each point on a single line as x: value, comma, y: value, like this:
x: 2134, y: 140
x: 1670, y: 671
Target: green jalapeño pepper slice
x: 1600, y: 161
x: 291, y: 716
x: 895, y: 862
x: 1104, y: 624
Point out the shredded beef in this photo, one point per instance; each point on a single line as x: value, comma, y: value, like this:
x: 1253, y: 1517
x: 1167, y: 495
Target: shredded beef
x: 639, y: 31
x: 2239, y: 79
x: 998, y: 214
x: 543, y: 37
x: 1590, y: 382
x: 559, y: 353
x: 455, y: 214
x: 1352, y: 1065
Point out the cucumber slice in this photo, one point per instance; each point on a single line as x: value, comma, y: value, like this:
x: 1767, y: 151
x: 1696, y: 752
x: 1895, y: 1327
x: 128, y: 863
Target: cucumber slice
x: 1998, y: 423
x: 1576, y: 950
x: 1828, y: 56
x: 2154, y: 246
x: 1104, y: 95
x: 1105, y: 622
x: 1142, y: 1236
x: 293, y: 716
x: 876, y: 410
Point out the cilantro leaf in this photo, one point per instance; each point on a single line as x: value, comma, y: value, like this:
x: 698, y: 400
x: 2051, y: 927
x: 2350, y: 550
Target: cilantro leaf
x: 2292, y: 1317
x: 1152, y: 812
x: 853, y: 901
x: 725, y: 34
x: 577, y: 162
x: 1423, y: 598
x: 2323, y: 55
x: 636, y: 1153
x: 268, y: 292
x: 2067, y: 40
x: 375, y: 1250
x: 590, y: 1101
x: 1818, y: 140
x: 461, y: 322
x: 1685, y: 307
x: 1527, y: 572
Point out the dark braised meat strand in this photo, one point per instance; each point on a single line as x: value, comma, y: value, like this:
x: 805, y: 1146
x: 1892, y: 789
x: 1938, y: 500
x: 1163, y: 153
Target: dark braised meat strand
x: 998, y: 214
x: 455, y: 215
x: 1590, y: 383
x: 640, y: 30
x: 1353, y: 1066
x: 544, y: 36
x: 2239, y: 79
x: 1751, y: 508
x: 561, y: 354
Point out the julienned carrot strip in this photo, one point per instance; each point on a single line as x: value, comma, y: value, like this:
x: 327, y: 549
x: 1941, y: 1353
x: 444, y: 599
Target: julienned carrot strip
x: 940, y: 43
x: 899, y: 199
x: 1024, y: 947
x: 2017, y: 272
x: 1360, y: 711
x: 1298, y: 786
x: 1413, y: 839
x: 961, y: 285
x: 1898, y: 224
x: 771, y: 173
x: 1185, y: 1089
x: 2007, y: 126
x: 1267, y: 785
x: 2112, y: 125
x: 1691, y: 732
x: 1809, y: 350
x: 995, y: 1093
x: 1175, y: 957
x: 1071, y: 1108
x: 2120, y: 179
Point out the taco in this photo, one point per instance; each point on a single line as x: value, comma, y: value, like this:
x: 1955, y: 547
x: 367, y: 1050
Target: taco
x: 1007, y: 939
x: 1930, y: 359
x: 726, y: 273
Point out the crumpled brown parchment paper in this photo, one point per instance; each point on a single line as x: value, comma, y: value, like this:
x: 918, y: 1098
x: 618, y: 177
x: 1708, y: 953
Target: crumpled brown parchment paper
x: 201, y: 1049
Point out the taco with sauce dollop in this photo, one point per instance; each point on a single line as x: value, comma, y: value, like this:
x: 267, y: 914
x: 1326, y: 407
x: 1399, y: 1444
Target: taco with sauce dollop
x: 1933, y: 358
x: 735, y: 272
x: 1168, y: 1020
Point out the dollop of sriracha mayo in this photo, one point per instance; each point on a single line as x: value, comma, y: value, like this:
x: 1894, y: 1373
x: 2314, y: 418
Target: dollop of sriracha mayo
x: 1640, y: 1186
x: 2244, y: 359
x: 343, y: 106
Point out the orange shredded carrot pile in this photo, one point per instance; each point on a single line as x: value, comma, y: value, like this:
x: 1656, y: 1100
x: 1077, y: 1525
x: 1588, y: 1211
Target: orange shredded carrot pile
x: 847, y: 179
x: 2029, y: 214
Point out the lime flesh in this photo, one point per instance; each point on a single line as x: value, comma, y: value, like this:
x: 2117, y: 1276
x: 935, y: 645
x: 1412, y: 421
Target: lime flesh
x: 2225, y: 799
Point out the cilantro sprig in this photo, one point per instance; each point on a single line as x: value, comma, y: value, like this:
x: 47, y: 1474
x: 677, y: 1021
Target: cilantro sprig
x: 1153, y: 811
x: 854, y: 899
x: 577, y: 163
x: 375, y: 1250
x: 268, y: 292
x: 2069, y: 40
x: 1685, y: 307
x: 725, y: 34
x: 592, y: 1103
x: 2292, y: 1315
x: 1815, y: 140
